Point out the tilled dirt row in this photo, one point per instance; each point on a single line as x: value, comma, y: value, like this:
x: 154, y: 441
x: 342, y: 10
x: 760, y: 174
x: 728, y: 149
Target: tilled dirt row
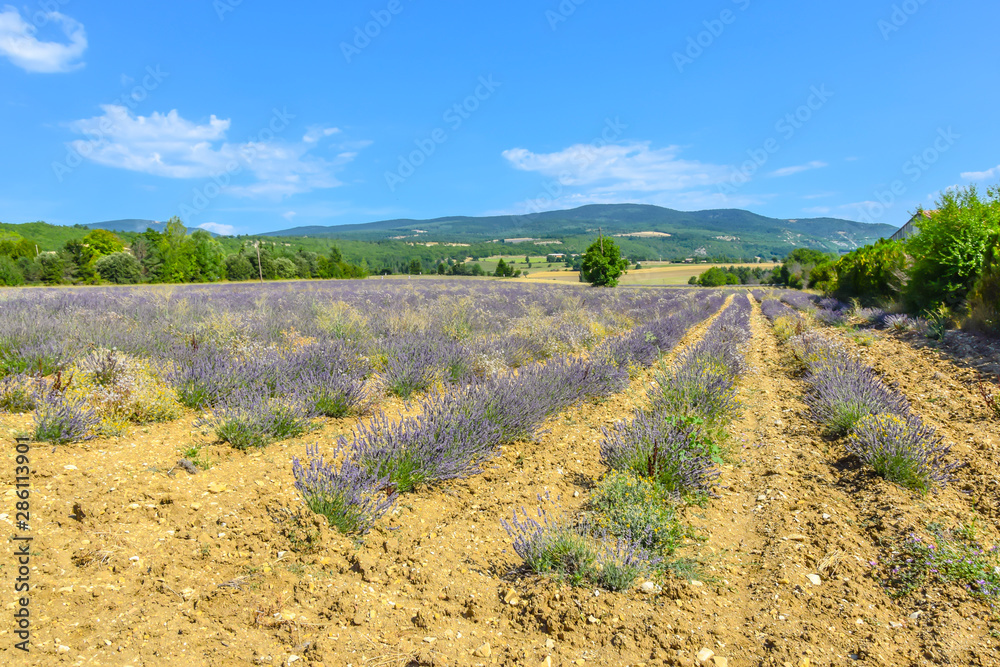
x: 799, y: 532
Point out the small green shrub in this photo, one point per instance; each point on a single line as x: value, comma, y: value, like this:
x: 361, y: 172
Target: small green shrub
x: 953, y: 556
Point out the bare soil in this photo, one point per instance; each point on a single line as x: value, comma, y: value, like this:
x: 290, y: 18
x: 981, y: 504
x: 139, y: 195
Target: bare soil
x: 142, y: 563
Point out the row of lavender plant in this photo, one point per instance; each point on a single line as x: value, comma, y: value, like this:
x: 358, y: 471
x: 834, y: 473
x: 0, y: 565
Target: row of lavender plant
x: 265, y: 361
x: 850, y: 400
x: 662, y: 454
x: 457, y: 433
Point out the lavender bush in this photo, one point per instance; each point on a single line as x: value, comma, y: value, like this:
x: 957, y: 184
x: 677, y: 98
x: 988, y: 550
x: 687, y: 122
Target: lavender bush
x: 846, y: 391
x: 60, y: 418
x: 662, y: 448
x: 548, y: 547
x: 449, y: 440
x: 247, y: 418
x: 16, y: 395
x: 902, y: 449
x: 349, y: 497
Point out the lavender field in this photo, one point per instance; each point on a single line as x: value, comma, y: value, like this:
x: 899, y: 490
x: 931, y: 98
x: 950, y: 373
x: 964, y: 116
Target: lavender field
x: 439, y: 472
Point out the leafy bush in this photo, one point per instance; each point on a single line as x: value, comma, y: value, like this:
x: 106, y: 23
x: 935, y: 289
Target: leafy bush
x: 874, y: 273
x: 121, y: 268
x: 901, y: 449
x: 984, y: 300
x: 951, y: 247
x: 122, y: 390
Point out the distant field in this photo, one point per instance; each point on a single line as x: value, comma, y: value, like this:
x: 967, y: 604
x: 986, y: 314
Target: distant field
x: 673, y: 274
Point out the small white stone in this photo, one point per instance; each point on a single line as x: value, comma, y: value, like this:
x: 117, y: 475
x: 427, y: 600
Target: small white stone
x: 814, y: 579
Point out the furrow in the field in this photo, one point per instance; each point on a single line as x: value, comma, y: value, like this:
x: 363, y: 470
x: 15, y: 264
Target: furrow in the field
x: 951, y: 624
x: 792, y: 562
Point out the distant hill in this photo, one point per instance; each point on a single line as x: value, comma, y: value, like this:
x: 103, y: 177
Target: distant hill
x: 131, y: 225
x: 726, y: 231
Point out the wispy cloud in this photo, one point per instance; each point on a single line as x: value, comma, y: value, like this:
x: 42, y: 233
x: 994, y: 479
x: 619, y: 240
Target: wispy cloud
x: 634, y: 172
x: 20, y: 44
x: 216, y: 228
x: 171, y: 146
x: 798, y: 169
x: 981, y: 175
x: 314, y: 134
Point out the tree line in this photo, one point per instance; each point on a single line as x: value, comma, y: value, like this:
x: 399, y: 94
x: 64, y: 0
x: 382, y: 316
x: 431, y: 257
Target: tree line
x: 170, y: 256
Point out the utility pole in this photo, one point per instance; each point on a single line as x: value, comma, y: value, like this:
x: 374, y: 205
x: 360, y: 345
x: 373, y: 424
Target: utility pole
x: 260, y: 269
x: 600, y: 235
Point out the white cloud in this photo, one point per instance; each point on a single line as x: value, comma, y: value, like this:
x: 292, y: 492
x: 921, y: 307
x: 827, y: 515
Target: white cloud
x: 20, y: 44
x: 170, y: 146
x: 634, y: 166
x: 981, y: 175
x: 216, y: 228
x: 289, y: 215
x: 633, y: 172
x: 798, y: 169
x: 314, y: 134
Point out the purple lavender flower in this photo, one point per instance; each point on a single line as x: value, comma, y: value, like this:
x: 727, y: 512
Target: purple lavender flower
x: 662, y: 448
x: 902, y: 449
x: 349, y: 497
x: 844, y: 391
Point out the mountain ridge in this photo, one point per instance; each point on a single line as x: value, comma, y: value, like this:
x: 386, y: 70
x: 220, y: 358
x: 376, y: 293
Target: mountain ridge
x: 727, y: 225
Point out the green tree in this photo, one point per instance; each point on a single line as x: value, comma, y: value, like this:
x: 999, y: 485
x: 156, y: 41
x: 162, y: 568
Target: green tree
x: 238, y: 267
x: 949, y: 251
x: 120, y: 268
x: 603, y: 264
x: 10, y: 273
x: 53, y: 268
x: 79, y: 261
x: 716, y: 277
x: 102, y: 242
x: 207, y: 259
x: 415, y: 268
x: 285, y: 268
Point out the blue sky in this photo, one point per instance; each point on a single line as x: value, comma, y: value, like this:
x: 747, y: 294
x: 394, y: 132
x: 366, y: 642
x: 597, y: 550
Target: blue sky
x: 246, y: 116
